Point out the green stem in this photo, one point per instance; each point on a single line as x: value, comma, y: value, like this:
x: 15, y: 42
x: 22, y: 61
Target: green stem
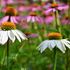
x: 67, y: 59
x: 8, y: 55
x: 37, y: 31
x: 57, y: 26
x: 55, y: 58
x: 57, y: 21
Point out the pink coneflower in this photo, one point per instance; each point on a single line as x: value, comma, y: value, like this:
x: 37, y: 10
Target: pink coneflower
x: 35, y: 7
x: 33, y: 17
x: 23, y: 8
x: 54, y: 7
x: 10, y: 15
x: 10, y: 1
x: 65, y: 20
x: 45, y: 5
x: 48, y: 18
x: 24, y: 24
x: 31, y: 35
x: 2, y: 3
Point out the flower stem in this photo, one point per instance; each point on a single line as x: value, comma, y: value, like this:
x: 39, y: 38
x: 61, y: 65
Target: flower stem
x: 37, y: 31
x: 67, y: 62
x: 57, y: 21
x: 8, y: 54
x: 55, y: 58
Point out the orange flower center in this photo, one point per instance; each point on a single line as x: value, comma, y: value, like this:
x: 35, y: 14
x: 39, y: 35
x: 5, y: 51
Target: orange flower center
x: 54, y: 5
x: 43, y: 3
x: 28, y: 33
x: 11, y: 11
x: 8, y: 26
x: 33, y: 14
x: 66, y: 17
x: 54, y: 35
x: 35, y: 5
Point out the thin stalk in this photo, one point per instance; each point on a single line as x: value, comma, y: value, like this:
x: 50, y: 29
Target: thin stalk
x: 8, y: 55
x: 57, y: 26
x: 37, y: 30
x: 67, y: 53
x: 55, y: 58
x: 3, y: 58
x: 67, y: 59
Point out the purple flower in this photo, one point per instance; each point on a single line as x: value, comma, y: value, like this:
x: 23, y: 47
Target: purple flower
x: 24, y: 24
x: 33, y: 35
x: 65, y: 20
x: 10, y: 15
x: 9, y: 18
x: 35, y: 7
x: 10, y: 2
x: 49, y: 19
x: 54, y: 7
x: 33, y: 17
x: 23, y: 8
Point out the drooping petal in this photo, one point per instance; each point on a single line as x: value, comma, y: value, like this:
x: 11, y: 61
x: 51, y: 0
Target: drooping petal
x: 13, y: 19
x: 54, y: 9
x: 4, y: 19
x: 33, y: 19
x: 49, y: 45
x: 22, y: 36
x: 66, y: 43
x: 16, y: 35
x: 43, y: 46
x: 60, y: 46
x: 28, y: 18
x: 63, y: 7
x: 11, y: 36
x: 4, y: 37
x: 52, y: 43
x: 48, y: 11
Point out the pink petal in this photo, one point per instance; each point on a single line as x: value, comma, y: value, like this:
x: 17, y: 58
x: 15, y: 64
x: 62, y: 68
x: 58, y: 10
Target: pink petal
x: 54, y: 9
x: 4, y: 19
x: 48, y: 11
x: 13, y: 19
x: 63, y: 7
x: 28, y: 18
x: 33, y: 19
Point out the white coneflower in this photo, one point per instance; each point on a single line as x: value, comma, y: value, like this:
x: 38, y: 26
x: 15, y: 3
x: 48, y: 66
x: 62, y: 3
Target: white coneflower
x: 54, y: 41
x: 9, y: 31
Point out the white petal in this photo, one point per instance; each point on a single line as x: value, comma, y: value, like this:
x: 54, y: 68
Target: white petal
x: 4, y: 37
x: 52, y: 43
x: 49, y: 45
x: 59, y: 44
x: 66, y: 43
x: 43, y: 45
x: 22, y: 36
x: 16, y: 35
x: 11, y: 36
x: 0, y: 36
